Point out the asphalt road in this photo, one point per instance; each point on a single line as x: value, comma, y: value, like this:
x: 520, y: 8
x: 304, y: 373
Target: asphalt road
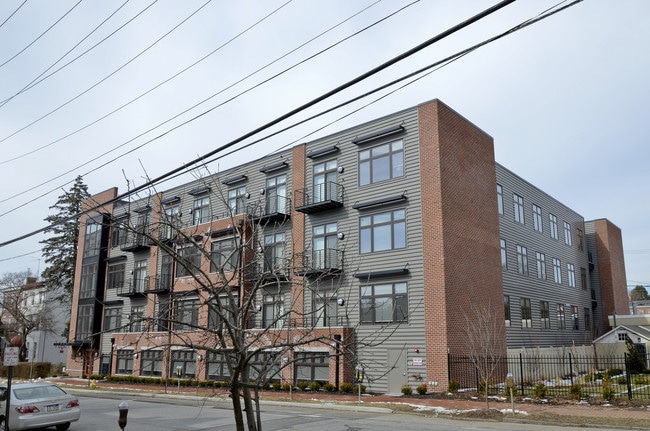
x: 100, y: 414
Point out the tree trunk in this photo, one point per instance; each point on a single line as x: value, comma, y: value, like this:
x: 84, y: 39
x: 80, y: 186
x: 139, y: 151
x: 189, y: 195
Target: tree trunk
x: 236, y: 406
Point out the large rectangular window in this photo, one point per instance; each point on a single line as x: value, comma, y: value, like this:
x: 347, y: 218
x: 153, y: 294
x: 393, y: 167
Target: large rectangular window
x: 526, y: 313
x: 581, y: 240
x: 276, y: 195
x: 85, y: 316
x: 88, y: 282
x: 189, y: 261
x: 237, y: 200
x: 273, y: 314
x: 224, y: 255
x: 325, y: 248
x: 112, y: 319
x: 325, y: 177
x: 583, y: 278
x: 504, y: 255
x: 522, y: 260
x: 383, y: 231
x: 92, y: 239
x: 500, y: 198
x: 152, y: 363
x: 575, y: 318
x: 118, y: 232
x: 518, y: 204
x: 136, y: 319
x: 571, y: 274
x: 312, y: 367
x: 381, y: 163
x: 506, y: 306
x: 185, y: 362
x: 186, y: 314
x: 170, y: 221
x: 124, y: 361
x: 587, y: 314
x: 217, y: 366
x: 541, y: 265
x: 552, y: 220
x: 274, y: 250
x: 115, y: 277
x: 567, y: 233
x: 557, y: 271
x: 561, y: 318
x: 201, y: 210
x: 537, y: 218
x: 544, y: 315
x: 140, y: 276
x: 384, y: 303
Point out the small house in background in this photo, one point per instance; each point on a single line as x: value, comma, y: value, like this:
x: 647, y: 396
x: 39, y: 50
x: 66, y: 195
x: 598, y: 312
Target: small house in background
x: 634, y: 327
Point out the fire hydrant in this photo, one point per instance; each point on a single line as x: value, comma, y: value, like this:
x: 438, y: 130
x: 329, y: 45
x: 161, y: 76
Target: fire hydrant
x: 93, y: 384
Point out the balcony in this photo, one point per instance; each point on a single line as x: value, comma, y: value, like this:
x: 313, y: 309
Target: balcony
x: 133, y: 288
x: 321, y: 197
x: 162, y: 284
x: 275, y: 209
x: 139, y: 240
x: 320, y: 262
x: 268, y: 270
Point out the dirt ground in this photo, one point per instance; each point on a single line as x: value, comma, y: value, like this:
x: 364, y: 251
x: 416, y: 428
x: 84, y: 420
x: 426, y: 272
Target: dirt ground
x: 621, y: 414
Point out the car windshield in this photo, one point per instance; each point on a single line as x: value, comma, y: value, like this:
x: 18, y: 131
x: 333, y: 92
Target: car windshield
x: 38, y: 392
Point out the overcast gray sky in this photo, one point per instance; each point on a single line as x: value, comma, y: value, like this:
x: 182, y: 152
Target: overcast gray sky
x: 566, y: 99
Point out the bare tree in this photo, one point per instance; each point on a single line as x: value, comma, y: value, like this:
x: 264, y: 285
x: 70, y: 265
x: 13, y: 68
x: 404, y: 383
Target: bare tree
x: 484, y: 331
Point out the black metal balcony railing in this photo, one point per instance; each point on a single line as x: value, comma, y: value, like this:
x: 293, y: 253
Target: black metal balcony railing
x: 264, y: 322
x: 274, y: 268
x: 137, y: 241
x: 273, y: 209
x: 134, y: 287
x: 317, y: 262
x: 320, y: 197
x: 161, y: 284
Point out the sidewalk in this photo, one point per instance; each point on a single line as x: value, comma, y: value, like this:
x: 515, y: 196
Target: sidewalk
x: 391, y: 402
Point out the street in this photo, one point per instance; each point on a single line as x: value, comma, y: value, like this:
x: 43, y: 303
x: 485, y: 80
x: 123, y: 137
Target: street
x: 100, y: 414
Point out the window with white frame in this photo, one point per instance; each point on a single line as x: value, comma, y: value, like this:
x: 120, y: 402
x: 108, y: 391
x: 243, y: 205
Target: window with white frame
x: 171, y: 220
x: 273, y: 311
x: 567, y: 233
x: 383, y: 231
x: 552, y: 221
x: 237, y: 200
x: 325, y: 185
x: 92, y: 239
x: 575, y: 318
x: 526, y: 313
x: 541, y: 265
x: 561, y: 318
x: 325, y: 246
x: 274, y: 250
x: 140, y: 276
x: 384, y: 303
x: 276, y: 194
x: 136, y: 319
x: 537, y: 218
x: 500, y: 198
x: 518, y: 204
x: 522, y: 260
x: 544, y: 315
x: 571, y: 274
x: 557, y: 271
x: 381, y: 163
x: 201, y: 210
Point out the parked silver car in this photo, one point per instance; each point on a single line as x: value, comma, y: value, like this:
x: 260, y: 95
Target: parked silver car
x: 38, y: 405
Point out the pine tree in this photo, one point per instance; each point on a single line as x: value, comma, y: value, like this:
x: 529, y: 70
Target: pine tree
x: 60, y: 249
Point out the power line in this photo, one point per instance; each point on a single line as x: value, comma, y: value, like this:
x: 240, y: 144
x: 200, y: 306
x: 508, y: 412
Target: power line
x: 293, y: 112
x: 13, y: 13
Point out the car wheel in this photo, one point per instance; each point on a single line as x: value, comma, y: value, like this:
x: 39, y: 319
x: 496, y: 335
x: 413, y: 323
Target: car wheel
x: 60, y: 427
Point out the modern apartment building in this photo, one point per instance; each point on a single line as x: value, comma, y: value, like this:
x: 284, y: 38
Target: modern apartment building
x: 378, y: 238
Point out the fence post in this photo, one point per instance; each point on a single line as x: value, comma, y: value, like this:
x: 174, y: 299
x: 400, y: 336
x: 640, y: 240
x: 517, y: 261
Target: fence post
x: 448, y: 367
x: 521, y: 374
x: 628, y: 377
x: 571, y: 368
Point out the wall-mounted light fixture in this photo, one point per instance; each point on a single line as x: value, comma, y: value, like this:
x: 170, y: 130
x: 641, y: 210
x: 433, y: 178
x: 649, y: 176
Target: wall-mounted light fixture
x: 135, y: 355
x: 262, y: 191
x: 340, y: 301
x: 340, y: 169
x: 248, y: 195
x: 199, y: 357
x: 340, y: 235
x: 258, y: 307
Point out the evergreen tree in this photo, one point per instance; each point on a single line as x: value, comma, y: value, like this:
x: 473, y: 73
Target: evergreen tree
x: 639, y: 293
x: 60, y: 249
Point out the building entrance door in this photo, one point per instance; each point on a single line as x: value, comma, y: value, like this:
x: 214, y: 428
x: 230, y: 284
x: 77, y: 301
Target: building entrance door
x: 396, y: 363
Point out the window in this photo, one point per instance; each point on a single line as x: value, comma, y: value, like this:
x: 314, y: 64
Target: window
x: 274, y: 245
x: 537, y: 218
x: 567, y: 233
x: 325, y: 186
x: 115, y: 276
x: 152, y: 363
x: 85, y: 316
x: 571, y: 274
x: 217, y: 366
x: 581, y: 240
x: 163, y: 311
x: 522, y: 260
x: 265, y: 366
x: 622, y: 336
x: 384, y: 303
x: 325, y: 248
x: 526, y: 318
x: 171, y: 220
x: 500, y: 198
x: 124, y: 361
x: 587, y: 315
x: 552, y: 220
x: 186, y: 314
x: 140, y: 276
x: 223, y: 309
x: 189, y: 261
x: 224, y: 255
x: 557, y: 271
x: 384, y: 231
x: 583, y: 278
x: 575, y: 318
x: 201, y: 210
x: 518, y: 203
x: 166, y: 276
x: 92, y: 239
x: 276, y: 195
x: 273, y: 311
x: 118, y: 233
x: 312, y: 366
x: 185, y: 361
x: 136, y: 319
x: 237, y: 200
x: 541, y: 265
x: 381, y: 163
x: 544, y: 315
x: 88, y: 281
x: 504, y: 255
x: 113, y: 319
x: 561, y: 320
x: 506, y: 305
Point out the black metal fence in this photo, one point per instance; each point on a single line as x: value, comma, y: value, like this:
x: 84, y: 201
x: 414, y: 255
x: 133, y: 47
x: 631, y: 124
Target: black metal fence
x: 562, y: 376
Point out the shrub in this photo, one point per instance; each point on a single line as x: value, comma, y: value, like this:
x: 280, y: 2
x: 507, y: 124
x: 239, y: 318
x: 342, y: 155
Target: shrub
x: 346, y: 387
x: 356, y: 389
x: 407, y: 390
x: 508, y: 388
x: 302, y: 385
x: 329, y: 387
x: 286, y: 387
x: 607, y: 391
x: 422, y: 389
x: 615, y: 372
x: 575, y: 391
x: 638, y: 380
x: 540, y: 390
x: 314, y: 387
x: 454, y: 386
x: 277, y: 386
x: 621, y: 380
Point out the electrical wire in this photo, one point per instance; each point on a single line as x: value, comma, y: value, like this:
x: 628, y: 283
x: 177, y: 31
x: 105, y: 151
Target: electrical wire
x: 287, y: 115
x: 13, y: 13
